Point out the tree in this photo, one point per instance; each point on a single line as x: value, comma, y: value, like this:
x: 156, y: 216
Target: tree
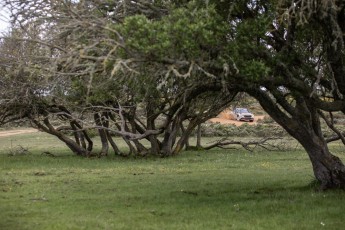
x: 289, y: 55
x: 98, y: 67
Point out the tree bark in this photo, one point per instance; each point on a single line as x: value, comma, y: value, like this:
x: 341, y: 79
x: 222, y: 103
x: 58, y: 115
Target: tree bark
x: 132, y: 150
x: 155, y: 144
x: 328, y: 169
x: 102, y: 133
x: 113, y: 145
x: 198, y: 136
x: 185, y: 135
x: 108, y: 135
x: 78, y: 135
x: 141, y: 150
x: 83, y: 135
x: 72, y: 145
x: 169, y: 140
x: 183, y: 130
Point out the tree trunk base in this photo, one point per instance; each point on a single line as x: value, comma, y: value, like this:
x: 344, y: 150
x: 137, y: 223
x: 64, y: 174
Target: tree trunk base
x: 330, y: 174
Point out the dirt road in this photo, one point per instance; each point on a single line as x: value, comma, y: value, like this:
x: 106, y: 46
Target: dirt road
x: 226, y: 118
x: 7, y: 133
x: 235, y: 122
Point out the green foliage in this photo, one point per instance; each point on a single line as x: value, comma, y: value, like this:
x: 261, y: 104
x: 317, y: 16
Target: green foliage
x: 188, y: 33
x: 255, y: 70
x: 245, y: 130
x: 185, y: 31
x: 248, y: 42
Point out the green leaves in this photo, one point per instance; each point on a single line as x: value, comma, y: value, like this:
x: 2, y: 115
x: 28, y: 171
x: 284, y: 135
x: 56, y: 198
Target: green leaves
x: 144, y: 36
x: 186, y: 31
x: 255, y: 69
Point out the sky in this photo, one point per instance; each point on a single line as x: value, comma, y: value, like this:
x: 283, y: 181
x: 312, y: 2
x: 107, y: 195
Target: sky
x: 4, y: 19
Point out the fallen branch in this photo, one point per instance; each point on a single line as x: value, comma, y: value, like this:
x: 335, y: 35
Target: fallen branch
x: 48, y: 154
x: 19, y: 150
x: 250, y: 146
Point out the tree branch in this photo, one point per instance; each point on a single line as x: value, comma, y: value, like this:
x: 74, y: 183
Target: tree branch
x: 250, y: 146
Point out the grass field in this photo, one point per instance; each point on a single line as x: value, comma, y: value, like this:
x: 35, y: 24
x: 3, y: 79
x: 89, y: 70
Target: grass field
x: 217, y: 189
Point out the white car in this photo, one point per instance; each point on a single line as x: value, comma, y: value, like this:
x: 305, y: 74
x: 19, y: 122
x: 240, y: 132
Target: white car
x: 243, y: 114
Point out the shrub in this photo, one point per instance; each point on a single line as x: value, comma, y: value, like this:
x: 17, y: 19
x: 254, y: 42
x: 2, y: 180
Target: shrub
x: 260, y: 130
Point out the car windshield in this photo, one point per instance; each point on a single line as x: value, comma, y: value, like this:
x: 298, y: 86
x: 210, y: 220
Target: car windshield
x: 243, y: 111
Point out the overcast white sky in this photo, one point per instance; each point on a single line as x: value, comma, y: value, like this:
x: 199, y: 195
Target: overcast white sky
x: 4, y: 18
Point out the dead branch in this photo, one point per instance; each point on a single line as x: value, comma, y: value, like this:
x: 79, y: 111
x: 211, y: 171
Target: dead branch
x: 18, y: 150
x: 47, y: 153
x: 250, y: 146
x: 128, y: 135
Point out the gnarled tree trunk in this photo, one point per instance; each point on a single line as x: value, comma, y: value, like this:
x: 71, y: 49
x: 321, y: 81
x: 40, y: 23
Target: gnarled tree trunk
x: 302, y: 122
x: 328, y: 169
x: 48, y: 128
x: 102, y: 133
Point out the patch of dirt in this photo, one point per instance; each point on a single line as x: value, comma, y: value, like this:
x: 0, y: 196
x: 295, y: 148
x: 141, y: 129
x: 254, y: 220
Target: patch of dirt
x: 226, y: 118
x: 7, y: 133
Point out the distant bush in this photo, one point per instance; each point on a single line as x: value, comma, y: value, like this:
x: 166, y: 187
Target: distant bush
x: 16, y: 124
x: 259, y: 130
x: 266, y: 120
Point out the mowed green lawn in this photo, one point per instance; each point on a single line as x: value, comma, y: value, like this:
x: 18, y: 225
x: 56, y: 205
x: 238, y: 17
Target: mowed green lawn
x: 217, y: 189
